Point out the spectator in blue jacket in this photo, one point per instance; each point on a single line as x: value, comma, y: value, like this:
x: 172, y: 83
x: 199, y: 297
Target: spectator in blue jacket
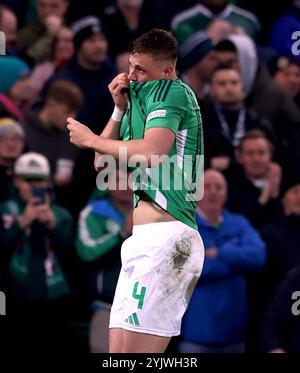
x: 216, y: 319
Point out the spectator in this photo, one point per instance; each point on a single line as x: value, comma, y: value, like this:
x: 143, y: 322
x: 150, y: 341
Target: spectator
x: 131, y: 18
x: 219, y: 30
x: 92, y: 71
x: 198, y: 18
x: 103, y: 226
x: 12, y: 103
x: 261, y: 93
x: 63, y: 50
x: 20, y: 8
x: 14, y: 69
x: 46, y: 130
x: 35, y: 40
x: 197, y: 60
x: 286, y: 73
x: 216, y: 319
x: 9, y: 25
x: 254, y: 187
x: 282, y: 235
x: 225, y: 117
x: 280, y: 331
x: 38, y: 234
x: 11, y: 147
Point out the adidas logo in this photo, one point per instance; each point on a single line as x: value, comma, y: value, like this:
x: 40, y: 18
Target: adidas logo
x: 133, y: 320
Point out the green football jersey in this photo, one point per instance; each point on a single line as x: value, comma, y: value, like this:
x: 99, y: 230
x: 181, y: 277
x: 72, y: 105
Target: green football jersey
x: 174, y: 184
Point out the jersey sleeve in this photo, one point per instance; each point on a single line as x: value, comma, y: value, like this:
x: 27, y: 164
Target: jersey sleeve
x: 165, y: 108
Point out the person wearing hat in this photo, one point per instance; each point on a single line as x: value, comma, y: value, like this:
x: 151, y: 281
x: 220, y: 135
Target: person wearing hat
x: 197, y: 60
x: 14, y: 69
x: 11, y: 146
x: 37, y: 237
x: 286, y: 73
x: 92, y: 71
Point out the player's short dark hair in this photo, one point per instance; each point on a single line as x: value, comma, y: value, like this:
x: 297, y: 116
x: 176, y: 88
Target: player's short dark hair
x: 161, y: 44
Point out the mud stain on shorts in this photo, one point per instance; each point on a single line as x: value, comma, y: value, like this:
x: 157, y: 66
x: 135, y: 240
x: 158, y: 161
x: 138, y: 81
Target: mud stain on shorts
x: 190, y: 289
x: 182, y: 253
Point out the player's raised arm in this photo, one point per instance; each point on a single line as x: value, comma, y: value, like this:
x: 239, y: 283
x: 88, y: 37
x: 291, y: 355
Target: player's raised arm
x: 111, y: 131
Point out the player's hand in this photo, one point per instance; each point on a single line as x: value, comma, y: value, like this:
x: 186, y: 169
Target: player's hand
x: 80, y: 135
x: 116, y: 86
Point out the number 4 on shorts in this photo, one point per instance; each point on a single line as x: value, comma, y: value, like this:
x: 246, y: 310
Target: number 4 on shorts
x: 141, y: 296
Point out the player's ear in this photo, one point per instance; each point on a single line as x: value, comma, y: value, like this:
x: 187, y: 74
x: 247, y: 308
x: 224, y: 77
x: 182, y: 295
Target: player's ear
x: 168, y: 71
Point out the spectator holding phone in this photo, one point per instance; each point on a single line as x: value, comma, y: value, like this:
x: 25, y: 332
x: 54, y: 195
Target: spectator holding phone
x: 37, y: 236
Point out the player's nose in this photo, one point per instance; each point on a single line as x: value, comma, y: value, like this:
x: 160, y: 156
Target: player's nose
x: 131, y: 75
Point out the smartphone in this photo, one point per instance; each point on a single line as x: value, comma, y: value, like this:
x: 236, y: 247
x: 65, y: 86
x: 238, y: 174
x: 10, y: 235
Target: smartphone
x: 40, y: 194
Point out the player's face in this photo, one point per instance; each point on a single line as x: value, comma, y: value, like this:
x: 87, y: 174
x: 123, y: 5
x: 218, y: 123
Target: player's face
x: 143, y: 67
x: 255, y: 157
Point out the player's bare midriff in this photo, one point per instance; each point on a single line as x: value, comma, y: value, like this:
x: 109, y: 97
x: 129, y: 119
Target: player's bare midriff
x: 148, y: 212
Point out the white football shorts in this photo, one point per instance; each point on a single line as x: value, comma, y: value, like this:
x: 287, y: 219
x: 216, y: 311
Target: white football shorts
x: 161, y: 264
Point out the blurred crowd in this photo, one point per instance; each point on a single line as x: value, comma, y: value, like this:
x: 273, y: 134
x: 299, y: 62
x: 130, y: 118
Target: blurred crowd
x: 60, y: 236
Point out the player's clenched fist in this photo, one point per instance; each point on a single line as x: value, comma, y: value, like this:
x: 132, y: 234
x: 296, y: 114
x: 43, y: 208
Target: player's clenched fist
x: 80, y: 135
